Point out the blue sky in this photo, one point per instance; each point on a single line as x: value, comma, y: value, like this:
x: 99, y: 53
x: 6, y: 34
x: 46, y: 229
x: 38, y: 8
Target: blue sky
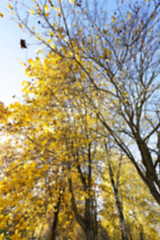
x: 11, y: 71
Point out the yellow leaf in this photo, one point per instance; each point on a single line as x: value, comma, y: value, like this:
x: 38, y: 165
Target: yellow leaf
x: 128, y: 15
x: 50, y: 2
x: 113, y: 19
x: 2, y: 236
x: 46, y: 14
x: 39, y: 11
x: 30, y: 61
x: 20, y: 25
x: 136, y: 32
x: 82, y: 198
x: 1, y: 14
x: 124, y: 94
x: 32, y: 11
x: 72, y: 1
x: 9, y: 6
x: 46, y: 7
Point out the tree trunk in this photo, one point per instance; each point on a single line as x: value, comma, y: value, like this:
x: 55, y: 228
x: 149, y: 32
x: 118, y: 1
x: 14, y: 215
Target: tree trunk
x: 55, y: 220
x: 121, y: 219
x: 90, y: 233
x: 118, y: 205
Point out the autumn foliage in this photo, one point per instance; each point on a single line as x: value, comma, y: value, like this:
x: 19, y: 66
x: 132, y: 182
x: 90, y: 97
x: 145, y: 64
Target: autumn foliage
x: 79, y: 155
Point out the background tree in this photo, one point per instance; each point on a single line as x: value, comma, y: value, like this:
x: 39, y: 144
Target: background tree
x: 136, y: 204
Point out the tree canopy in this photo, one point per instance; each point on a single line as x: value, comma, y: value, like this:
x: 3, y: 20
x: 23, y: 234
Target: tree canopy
x: 81, y: 157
